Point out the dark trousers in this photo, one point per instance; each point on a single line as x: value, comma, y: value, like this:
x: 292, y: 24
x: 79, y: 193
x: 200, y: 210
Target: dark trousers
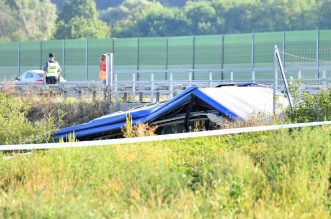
x: 51, y: 80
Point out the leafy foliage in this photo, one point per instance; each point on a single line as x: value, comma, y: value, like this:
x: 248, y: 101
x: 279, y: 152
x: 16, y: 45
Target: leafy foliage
x: 312, y: 107
x: 14, y: 126
x: 33, y: 19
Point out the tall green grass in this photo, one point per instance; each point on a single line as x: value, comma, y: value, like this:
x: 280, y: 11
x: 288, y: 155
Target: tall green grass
x: 283, y: 174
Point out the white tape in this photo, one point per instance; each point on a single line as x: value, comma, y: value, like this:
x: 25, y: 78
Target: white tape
x: 158, y: 137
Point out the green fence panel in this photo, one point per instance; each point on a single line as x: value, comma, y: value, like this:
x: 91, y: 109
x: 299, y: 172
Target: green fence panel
x: 29, y: 55
x: 80, y: 58
x: 9, y: 67
x: 208, y: 56
x: 97, y: 47
x: 264, y: 44
x: 300, y: 48
x: 325, y: 48
x: 180, y: 56
x: 153, y: 56
x: 75, y: 60
x: 237, y: 54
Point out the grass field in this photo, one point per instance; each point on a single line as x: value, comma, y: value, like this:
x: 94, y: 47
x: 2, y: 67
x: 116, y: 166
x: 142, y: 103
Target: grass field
x: 283, y: 174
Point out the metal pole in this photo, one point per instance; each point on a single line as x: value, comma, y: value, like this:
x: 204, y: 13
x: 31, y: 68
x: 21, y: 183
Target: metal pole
x: 152, y: 87
x: 133, y: 87
x: 116, y: 88
x: 113, y: 45
x: 138, y: 56
x: 317, y: 54
x: 193, y: 58
x: 284, y: 77
x: 86, y: 58
x: 171, y: 87
x: 252, y: 51
x: 64, y: 58
x: 210, y: 79
x: 222, y: 59
x: 111, y: 69
x: 167, y: 58
x: 284, y: 48
x: 18, y: 58
x: 275, y: 82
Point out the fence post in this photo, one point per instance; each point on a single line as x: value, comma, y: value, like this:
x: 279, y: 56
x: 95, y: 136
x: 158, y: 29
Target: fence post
x: 317, y: 55
x: 171, y: 86
x: 86, y: 58
x: 157, y: 96
x: 138, y: 57
x: 323, y: 77
x: 190, y: 74
x: 231, y: 77
x: 222, y: 59
x: 152, y: 87
x: 115, y: 88
x: 64, y: 57
x: 193, y: 57
x: 284, y: 48
x: 167, y: 58
x: 252, y: 51
x: 94, y: 95
x: 253, y: 76
x: 18, y: 58
x: 210, y: 79
x: 141, y: 96
x: 275, y: 86
x: 133, y: 87
x: 300, y: 88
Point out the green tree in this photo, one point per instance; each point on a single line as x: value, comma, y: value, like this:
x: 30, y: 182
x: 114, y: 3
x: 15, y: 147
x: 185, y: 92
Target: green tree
x: 159, y: 21
x: 201, y: 17
x: 80, y: 19
x: 7, y: 22
x: 324, y: 16
x: 34, y: 19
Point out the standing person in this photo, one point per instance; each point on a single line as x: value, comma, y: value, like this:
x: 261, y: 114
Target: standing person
x: 52, y: 70
x: 102, y: 69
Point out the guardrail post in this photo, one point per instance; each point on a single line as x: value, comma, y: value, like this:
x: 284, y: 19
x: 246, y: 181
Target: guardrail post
x: 133, y: 87
x: 171, y: 86
x: 323, y: 77
x: 300, y: 88
x: 231, y: 77
x: 141, y: 96
x: 94, y: 95
x: 253, y: 76
x: 152, y: 87
x: 190, y: 74
x: 65, y: 94
x: 116, y: 88
x: 157, y: 96
x: 210, y: 79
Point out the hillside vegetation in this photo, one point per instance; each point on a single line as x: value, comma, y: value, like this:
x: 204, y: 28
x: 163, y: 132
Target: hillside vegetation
x: 71, y: 19
x: 283, y: 174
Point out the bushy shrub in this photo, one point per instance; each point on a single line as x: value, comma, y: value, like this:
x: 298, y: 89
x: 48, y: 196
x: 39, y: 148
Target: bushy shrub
x: 312, y: 107
x: 14, y: 126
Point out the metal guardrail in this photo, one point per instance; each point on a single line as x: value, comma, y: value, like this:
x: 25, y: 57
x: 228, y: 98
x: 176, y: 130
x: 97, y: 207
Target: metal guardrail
x: 158, y: 137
